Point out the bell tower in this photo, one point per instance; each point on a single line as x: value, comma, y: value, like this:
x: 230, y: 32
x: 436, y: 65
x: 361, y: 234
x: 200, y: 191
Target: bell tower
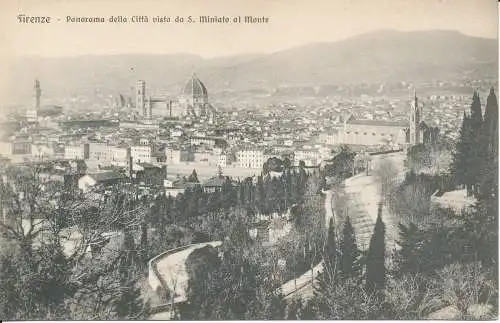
x: 32, y: 112
x: 37, y: 95
x: 140, y: 96
x: 415, y: 119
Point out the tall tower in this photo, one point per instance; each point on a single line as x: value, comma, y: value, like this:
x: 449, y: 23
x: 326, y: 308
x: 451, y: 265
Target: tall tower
x: 415, y: 119
x: 32, y: 112
x: 38, y: 94
x: 140, y: 96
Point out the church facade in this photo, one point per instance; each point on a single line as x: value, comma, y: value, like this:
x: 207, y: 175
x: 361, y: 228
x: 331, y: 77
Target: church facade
x: 381, y: 132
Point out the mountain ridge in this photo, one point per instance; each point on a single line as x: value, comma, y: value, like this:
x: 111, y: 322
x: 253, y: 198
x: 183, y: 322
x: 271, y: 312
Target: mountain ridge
x: 376, y: 57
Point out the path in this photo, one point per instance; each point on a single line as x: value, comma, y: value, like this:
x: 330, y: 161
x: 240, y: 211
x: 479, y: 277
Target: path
x: 363, y: 194
x: 172, y: 268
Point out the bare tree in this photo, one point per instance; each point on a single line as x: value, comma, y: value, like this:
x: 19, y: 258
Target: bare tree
x: 464, y: 285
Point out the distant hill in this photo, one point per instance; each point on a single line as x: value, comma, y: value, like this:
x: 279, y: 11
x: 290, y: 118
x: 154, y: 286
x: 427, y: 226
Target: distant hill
x: 377, y: 57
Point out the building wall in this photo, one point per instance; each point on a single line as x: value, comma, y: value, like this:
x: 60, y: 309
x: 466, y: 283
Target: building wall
x: 141, y: 154
x: 31, y: 115
x: 5, y: 148
x: 205, y: 141
x: 119, y: 154
x: 176, y: 156
x: 100, y: 152
x: 42, y: 151
x: 370, y: 135
x: 74, y: 152
x: 310, y: 157
x: 140, y: 126
x: 224, y: 160
x: 251, y: 158
x: 21, y: 148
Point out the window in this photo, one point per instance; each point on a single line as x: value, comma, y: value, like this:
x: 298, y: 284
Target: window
x: 356, y: 132
x: 365, y: 134
x: 373, y: 133
x: 382, y: 134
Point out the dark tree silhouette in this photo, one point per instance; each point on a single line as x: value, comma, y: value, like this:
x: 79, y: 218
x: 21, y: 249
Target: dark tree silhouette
x: 375, y: 259
x: 193, y: 178
x: 349, y: 252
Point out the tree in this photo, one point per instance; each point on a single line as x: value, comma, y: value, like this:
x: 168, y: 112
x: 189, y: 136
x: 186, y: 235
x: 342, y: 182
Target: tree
x: 273, y: 164
x: 349, y: 252
x: 128, y: 303
x: 342, y: 164
x: 375, y: 260
x: 476, y: 153
x: 476, y: 113
x: 491, y: 123
x: 464, y: 285
x: 330, y: 253
x: 234, y: 286
x: 460, y: 165
x: 50, y: 274
x: 488, y: 185
x: 261, y: 195
x: 346, y: 300
x: 409, y: 257
x: 330, y: 259
x: 193, y: 178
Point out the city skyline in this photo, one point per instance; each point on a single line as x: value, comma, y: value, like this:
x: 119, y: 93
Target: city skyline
x: 291, y: 24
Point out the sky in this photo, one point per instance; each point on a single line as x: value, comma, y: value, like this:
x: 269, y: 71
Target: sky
x: 291, y: 23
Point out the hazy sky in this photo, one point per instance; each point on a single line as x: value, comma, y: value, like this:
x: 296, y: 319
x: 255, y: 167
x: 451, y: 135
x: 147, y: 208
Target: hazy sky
x: 292, y: 23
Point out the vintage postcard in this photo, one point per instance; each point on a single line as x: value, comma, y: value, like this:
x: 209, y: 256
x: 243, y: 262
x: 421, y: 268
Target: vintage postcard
x: 249, y: 160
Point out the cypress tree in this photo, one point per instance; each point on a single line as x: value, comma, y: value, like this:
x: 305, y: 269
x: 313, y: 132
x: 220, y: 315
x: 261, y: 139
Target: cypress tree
x: 330, y: 261
x: 489, y: 173
x: 241, y: 194
x: 460, y: 166
x: 476, y: 151
x: 193, y: 178
x: 330, y: 253
x: 491, y: 123
x: 261, y: 194
x: 129, y: 304
x: 144, y: 245
x: 476, y: 113
x: 409, y: 258
x: 375, y: 266
x: 349, y: 252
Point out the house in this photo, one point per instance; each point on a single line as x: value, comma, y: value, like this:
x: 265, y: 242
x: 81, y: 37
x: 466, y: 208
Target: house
x: 216, y: 183
x: 74, y: 152
x: 225, y: 159
x: 119, y: 155
x: 310, y: 157
x: 100, y: 179
x: 141, y: 153
x: 251, y: 158
x: 177, y: 186
x: 41, y: 151
x: 177, y: 156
